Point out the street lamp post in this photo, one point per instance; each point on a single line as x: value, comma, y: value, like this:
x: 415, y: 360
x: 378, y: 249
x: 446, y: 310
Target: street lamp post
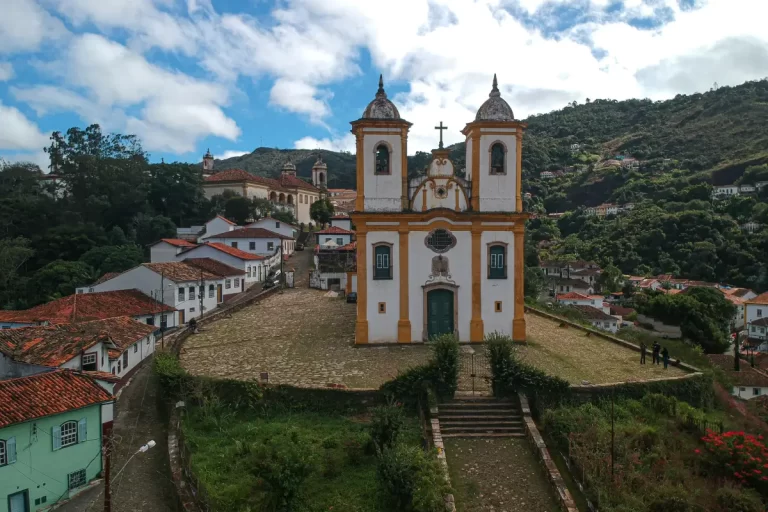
x: 107, y: 478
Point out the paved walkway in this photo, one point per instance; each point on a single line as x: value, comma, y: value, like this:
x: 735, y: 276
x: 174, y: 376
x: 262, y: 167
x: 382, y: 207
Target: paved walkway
x: 145, y: 483
x: 500, y: 475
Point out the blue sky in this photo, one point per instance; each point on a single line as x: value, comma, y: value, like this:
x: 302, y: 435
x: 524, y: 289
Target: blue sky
x: 233, y: 75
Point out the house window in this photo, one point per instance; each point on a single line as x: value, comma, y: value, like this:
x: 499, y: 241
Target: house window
x: 252, y: 246
x: 210, y: 291
x: 497, y: 306
x: 181, y: 294
x: 248, y: 272
x: 119, y: 366
x: 759, y: 313
x: 151, y: 320
x: 227, y: 284
x: 440, y: 240
x: 76, y: 479
x: 135, y: 347
x: 328, y: 239
x: 3, y: 454
x: 382, y: 159
x: 277, y: 225
x: 191, y: 292
x: 191, y: 310
x: 125, y: 360
x: 755, y: 391
x: 339, y: 241
x: 164, y: 321
x: 497, y: 261
x: 270, y: 246
x: 498, y: 155
x: 147, y: 342
x: 234, y: 245
x: 237, y: 282
x: 382, y: 268
x: 89, y: 362
x: 68, y: 433
x: 742, y: 389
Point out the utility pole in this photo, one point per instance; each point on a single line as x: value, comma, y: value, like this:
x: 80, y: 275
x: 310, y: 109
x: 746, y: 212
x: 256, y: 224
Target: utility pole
x: 202, y: 287
x: 282, y: 273
x: 107, y: 477
x: 613, y: 436
x: 162, y: 301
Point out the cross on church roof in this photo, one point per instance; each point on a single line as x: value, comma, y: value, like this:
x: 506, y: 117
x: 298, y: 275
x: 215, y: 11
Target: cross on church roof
x: 441, y: 128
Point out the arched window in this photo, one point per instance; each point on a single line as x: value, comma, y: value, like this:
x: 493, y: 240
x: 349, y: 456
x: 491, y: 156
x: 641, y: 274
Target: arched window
x: 290, y: 199
x: 322, y: 177
x: 498, y: 158
x: 497, y: 261
x: 382, y: 159
x: 273, y: 196
x: 382, y: 261
x: 69, y: 433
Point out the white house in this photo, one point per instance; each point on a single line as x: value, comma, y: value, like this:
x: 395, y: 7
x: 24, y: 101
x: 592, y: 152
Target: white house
x: 564, y: 285
x: 254, y: 266
x: 341, y: 221
x: 334, y: 234
x: 546, y: 175
x: 723, y: 191
x: 746, y: 189
x: 748, y: 382
x: 276, y: 226
x: 751, y: 226
x: 85, y: 307
x: 216, y: 226
x: 578, y: 299
x: 256, y: 241
x: 598, y: 318
x: 755, y: 314
x: 176, y: 284
x: 166, y: 249
x: 588, y: 275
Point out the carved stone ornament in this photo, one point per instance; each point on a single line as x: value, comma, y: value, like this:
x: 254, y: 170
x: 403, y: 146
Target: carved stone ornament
x: 440, y: 271
x: 440, y: 240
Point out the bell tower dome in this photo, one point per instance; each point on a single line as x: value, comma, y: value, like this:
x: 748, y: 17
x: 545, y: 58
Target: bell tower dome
x: 320, y: 173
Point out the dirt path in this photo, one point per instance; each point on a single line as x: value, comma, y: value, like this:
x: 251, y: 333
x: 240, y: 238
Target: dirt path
x: 144, y: 484
x: 500, y: 475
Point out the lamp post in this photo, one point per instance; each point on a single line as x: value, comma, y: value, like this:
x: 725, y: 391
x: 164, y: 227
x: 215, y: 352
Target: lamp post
x: 107, y: 478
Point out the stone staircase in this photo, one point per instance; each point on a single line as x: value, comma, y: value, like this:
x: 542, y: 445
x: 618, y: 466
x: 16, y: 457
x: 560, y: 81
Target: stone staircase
x: 480, y: 416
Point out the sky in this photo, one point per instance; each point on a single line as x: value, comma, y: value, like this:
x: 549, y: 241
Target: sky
x: 234, y: 75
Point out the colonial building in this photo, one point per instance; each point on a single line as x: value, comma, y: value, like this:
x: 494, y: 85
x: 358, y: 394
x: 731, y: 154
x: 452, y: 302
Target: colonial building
x: 440, y: 253
x: 288, y: 192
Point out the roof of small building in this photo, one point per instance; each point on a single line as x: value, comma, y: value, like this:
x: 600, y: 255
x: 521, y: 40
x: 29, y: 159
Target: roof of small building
x: 586, y: 272
x: 578, y: 283
x: 578, y: 296
x: 334, y: 230
x: 176, y: 242
x: 215, y: 267
x: 593, y: 313
x: 180, y: 271
x: 273, y: 220
x: 84, y: 307
x: 106, y: 376
x: 760, y: 322
x: 760, y: 299
x: 250, y: 233
x: 285, y: 183
x: 45, y: 394
x: 621, y: 311
x: 106, y: 277
x: 237, y: 253
x: 746, y: 376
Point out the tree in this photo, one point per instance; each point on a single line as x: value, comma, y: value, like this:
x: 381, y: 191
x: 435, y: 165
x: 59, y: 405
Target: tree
x: 628, y: 289
x: 285, y: 216
x: 150, y: 229
x: 238, y: 209
x: 114, y: 258
x: 534, y: 282
x: 58, y: 279
x: 14, y: 253
x: 321, y: 211
x: 611, y: 279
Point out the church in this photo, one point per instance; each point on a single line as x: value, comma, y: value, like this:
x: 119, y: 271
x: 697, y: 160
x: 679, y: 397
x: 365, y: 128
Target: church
x: 441, y: 253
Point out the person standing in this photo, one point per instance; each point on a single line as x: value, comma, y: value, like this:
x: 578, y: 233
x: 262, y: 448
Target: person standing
x: 643, y: 351
x: 665, y: 355
x: 656, y: 350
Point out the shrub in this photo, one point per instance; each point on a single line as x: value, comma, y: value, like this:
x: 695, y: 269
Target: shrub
x: 282, y: 465
x: 411, y: 385
x: 170, y: 372
x: 740, y: 456
x: 672, y: 499
x: 386, y: 424
x: 412, y: 479
x: 356, y: 447
x: 446, y: 361
x: 731, y: 499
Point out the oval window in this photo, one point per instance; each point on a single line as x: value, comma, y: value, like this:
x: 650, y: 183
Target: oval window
x: 440, y: 240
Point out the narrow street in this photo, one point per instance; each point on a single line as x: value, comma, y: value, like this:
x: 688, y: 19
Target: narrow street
x: 145, y: 483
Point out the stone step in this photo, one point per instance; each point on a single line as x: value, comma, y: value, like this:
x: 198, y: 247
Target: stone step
x: 481, y: 421
x: 479, y: 429
x: 477, y: 411
x: 476, y: 417
x: 493, y: 434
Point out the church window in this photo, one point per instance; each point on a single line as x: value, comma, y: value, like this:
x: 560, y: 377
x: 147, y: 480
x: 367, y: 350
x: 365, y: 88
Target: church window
x: 498, y: 157
x: 497, y: 261
x: 382, y: 159
x: 440, y: 240
x: 497, y: 306
x: 382, y: 307
x: 382, y: 263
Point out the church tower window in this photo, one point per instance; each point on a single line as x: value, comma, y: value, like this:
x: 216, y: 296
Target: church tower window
x: 382, y: 262
x: 497, y: 261
x: 440, y: 240
x: 382, y: 160
x: 498, y: 158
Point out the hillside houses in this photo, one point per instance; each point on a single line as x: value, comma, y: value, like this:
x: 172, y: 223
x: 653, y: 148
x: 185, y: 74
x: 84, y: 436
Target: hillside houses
x: 726, y: 191
x: 608, y: 209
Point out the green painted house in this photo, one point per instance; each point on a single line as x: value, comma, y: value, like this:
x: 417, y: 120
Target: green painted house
x: 52, y: 429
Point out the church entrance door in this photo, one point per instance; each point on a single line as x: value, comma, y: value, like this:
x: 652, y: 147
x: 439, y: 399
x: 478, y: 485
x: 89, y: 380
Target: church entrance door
x: 439, y: 312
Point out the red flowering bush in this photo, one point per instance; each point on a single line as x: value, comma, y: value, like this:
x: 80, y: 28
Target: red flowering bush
x: 740, y: 456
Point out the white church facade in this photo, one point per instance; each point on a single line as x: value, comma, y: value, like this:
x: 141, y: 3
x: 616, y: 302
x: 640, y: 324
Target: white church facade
x: 442, y: 253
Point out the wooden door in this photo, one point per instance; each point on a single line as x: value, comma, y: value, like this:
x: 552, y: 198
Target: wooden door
x: 181, y: 317
x: 218, y: 293
x: 439, y: 312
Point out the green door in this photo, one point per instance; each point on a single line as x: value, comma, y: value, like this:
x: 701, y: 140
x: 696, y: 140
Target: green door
x: 439, y: 312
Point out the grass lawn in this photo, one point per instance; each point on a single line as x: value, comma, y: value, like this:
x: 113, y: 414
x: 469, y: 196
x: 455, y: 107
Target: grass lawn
x: 568, y: 353
x: 343, y: 477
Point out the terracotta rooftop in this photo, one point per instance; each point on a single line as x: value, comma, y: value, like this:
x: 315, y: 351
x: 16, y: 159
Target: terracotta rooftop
x: 84, y: 307
x: 225, y: 220
x: 593, y: 313
x: 180, y: 272
x: 177, y: 242
x: 237, y: 253
x: 45, y: 394
x: 107, y: 277
x: 109, y: 377
x: 215, y: 267
x: 761, y: 322
x: 54, y: 345
x: 760, y: 299
x: 250, y: 233
x: 621, y: 311
x: 569, y: 282
x: 272, y: 220
x: 284, y: 183
x: 334, y: 230
x: 577, y: 296
x: 745, y: 377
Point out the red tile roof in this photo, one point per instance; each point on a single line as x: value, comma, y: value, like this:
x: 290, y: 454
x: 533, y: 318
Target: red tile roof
x: 250, y: 233
x: 180, y: 272
x: 237, y: 253
x: 284, y: 183
x: 107, y: 277
x: 46, y: 394
x: 56, y: 344
x: 177, y: 242
x: 577, y: 296
x: 84, y: 307
x: 760, y: 299
x: 253, y: 224
x: 334, y: 230
x: 109, y: 377
x: 593, y: 313
x: 225, y: 220
x: 215, y: 267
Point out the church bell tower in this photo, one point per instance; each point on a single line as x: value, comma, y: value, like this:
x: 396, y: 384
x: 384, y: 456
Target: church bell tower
x: 320, y: 173
x: 207, y: 164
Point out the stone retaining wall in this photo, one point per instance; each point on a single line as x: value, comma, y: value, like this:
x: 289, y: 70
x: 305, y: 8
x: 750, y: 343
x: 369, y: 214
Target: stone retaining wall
x: 437, y: 441
x: 189, y: 499
x: 601, y: 334
x: 553, y: 474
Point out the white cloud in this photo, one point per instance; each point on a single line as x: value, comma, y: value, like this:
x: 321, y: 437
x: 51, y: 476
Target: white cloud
x: 6, y: 71
x: 24, y: 26
x: 232, y: 153
x: 39, y: 158
x: 19, y: 133
x: 343, y: 143
x: 298, y: 97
